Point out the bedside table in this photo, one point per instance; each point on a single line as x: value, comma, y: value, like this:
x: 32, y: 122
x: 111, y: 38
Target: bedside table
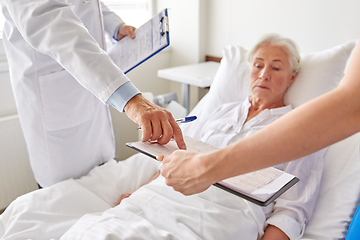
x: 199, y: 74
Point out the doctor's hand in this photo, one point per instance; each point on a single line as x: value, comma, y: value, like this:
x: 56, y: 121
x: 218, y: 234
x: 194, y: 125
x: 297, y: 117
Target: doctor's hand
x: 186, y: 172
x: 126, y: 30
x: 157, y: 124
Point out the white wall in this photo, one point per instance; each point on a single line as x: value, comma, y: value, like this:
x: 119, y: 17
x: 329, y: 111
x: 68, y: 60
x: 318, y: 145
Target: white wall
x: 314, y: 24
x: 188, y: 32
x: 205, y: 27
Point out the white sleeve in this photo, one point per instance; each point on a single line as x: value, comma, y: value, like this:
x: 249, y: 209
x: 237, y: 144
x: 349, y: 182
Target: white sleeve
x: 294, y: 208
x: 52, y: 28
x: 111, y: 20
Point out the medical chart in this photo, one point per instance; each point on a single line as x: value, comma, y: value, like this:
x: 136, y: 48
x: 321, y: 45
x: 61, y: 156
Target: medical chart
x: 261, y: 184
x: 260, y: 187
x: 151, y: 38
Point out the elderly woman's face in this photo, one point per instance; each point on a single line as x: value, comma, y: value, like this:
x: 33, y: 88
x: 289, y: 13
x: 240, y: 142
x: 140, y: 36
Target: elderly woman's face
x: 270, y: 74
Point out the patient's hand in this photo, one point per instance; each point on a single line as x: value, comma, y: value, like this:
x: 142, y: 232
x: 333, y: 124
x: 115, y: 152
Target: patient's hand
x: 123, y: 196
x: 274, y: 233
x: 126, y: 195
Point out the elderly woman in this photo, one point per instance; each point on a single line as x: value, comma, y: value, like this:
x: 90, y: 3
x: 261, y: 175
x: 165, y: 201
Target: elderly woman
x: 156, y: 211
x: 274, y: 63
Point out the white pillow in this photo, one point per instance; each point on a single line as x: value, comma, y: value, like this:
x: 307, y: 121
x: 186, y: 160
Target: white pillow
x: 319, y: 73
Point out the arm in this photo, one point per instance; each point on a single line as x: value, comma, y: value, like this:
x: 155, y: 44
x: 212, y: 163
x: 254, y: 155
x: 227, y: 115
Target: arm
x: 311, y: 127
x: 157, y: 123
x: 53, y: 28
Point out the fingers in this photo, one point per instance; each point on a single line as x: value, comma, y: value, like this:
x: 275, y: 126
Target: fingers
x: 177, y: 133
x: 183, y: 173
x: 158, y: 131
x: 126, y: 30
x: 160, y: 158
x: 161, y: 127
x: 122, y: 197
x: 155, y: 127
x: 163, y: 131
x: 167, y: 132
x: 132, y: 34
x: 156, y: 123
x: 146, y: 130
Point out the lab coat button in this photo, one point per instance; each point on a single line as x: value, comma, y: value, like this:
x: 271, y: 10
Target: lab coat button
x: 105, y: 94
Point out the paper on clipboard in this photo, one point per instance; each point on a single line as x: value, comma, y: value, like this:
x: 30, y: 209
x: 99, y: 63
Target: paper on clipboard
x: 261, y: 185
x: 151, y: 38
x: 154, y: 149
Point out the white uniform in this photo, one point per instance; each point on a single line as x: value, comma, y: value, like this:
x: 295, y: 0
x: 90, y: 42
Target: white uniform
x: 55, y: 50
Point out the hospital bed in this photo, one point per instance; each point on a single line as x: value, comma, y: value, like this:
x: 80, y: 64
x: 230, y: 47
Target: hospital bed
x: 339, y: 191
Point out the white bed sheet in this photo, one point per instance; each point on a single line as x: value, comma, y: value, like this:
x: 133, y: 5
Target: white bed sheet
x: 48, y: 213
x: 153, y: 212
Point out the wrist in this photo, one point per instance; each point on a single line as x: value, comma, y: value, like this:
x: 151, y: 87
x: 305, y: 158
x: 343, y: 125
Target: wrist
x: 210, y: 168
x: 119, y: 35
x: 221, y: 164
x: 132, y: 101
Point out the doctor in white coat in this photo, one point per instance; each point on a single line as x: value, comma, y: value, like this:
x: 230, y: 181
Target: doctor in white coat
x: 62, y: 77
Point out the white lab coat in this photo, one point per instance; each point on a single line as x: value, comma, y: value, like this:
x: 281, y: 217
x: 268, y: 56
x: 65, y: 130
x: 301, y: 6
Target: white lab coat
x: 59, y: 71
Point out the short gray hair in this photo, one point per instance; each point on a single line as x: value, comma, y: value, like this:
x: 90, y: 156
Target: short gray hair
x: 276, y: 40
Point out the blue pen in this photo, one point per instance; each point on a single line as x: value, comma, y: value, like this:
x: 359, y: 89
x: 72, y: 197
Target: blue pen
x: 186, y: 119
x: 182, y: 120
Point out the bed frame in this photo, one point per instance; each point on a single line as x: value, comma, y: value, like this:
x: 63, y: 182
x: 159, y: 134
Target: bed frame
x: 212, y: 59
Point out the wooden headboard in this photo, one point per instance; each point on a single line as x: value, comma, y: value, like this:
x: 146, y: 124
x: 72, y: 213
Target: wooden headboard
x: 212, y: 59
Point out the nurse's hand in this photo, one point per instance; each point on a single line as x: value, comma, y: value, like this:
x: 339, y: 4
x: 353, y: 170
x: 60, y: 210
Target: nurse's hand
x: 157, y: 124
x: 186, y: 172
x: 126, y: 30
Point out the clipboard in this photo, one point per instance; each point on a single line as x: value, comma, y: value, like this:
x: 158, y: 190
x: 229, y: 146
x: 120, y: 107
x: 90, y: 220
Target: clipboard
x: 132, y: 145
x: 262, y: 203
x: 151, y: 38
x: 286, y: 180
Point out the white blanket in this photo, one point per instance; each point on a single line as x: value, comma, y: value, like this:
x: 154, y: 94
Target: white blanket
x: 154, y: 211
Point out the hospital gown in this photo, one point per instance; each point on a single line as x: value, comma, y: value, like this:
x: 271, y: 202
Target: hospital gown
x: 155, y: 211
